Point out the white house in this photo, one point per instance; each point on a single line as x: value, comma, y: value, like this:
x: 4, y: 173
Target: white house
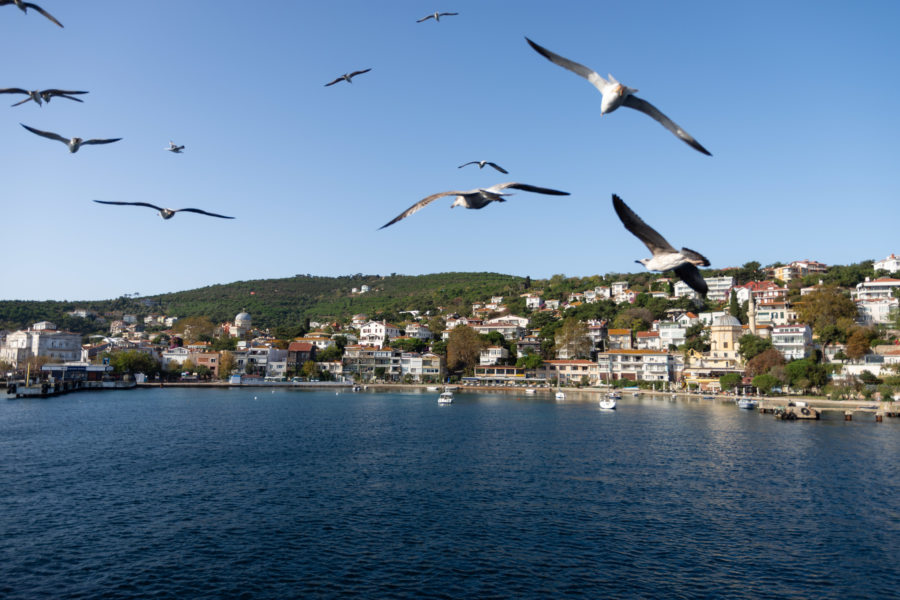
x: 646, y: 365
x: 174, y: 355
x: 19, y: 346
x: 617, y: 287
x: 891, y: 264
x: 683, y: 290
x: 719, y: 287
x: 671, y: 333
x: 872, y: 289
x: 533, y: 302
x: 418, y: 331
x: 512, y: 319
x: 878, y: 311
x: 793, y: 341
x: 377, y: 333
x: 493, y: 355
x: 648, y: 340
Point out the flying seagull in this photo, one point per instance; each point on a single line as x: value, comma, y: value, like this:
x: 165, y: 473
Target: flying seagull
x: 665, y: 257
x: 73, y: 143
x: 173, y: 148
x: 24, y: 6
x: 165, y: 213
x: 481, y: 164
x: 477, y: 198
x: 615, y: 95
x: 40, y: 96
x: 348, y: 77
x: 436, y: 16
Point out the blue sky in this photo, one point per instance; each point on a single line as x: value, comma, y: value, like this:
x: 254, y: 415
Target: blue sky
x: 797, y: 101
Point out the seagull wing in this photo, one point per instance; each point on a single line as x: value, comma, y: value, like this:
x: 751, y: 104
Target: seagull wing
x: 47, y: 134
x: 69, y: 97
x: 648, y: 109
x: 13, y: 91
x: 526, y: 188
x: 425, y: 18
x: 449, y: 14
x: 42, y: 11
x: 85, y: 142
x: 589, y: 74
x: 202, y: 212
x: 633, y: 223
x: 341, y: 78
x: 499, y: 168
x: 419, y: 205
x: 61, y: 92
x: 690, y: 274
x: 355, y: 73
x: 695, y: 257
x: 471, y: 162
x: 28, y: 99
x: 153, y: 206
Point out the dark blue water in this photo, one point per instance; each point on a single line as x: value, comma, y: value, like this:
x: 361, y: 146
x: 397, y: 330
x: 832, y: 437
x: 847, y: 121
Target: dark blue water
x: 252, y: 494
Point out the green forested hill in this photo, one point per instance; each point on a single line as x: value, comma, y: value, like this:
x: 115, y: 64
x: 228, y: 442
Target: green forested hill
x: 278, y: 302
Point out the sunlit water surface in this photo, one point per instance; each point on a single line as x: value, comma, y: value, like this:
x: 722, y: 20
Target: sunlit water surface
x: 234, y: 493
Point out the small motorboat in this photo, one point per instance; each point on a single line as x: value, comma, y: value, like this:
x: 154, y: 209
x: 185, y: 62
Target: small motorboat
x: 610, y: 401
x: 432, y: 388
x: 747, y: 403
x: 560, y: 395
x: 446, y: 397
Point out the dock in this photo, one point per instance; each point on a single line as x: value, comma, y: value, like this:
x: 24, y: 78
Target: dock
x: 49, y: 389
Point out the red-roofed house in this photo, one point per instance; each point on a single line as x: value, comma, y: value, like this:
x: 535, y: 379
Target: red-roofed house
x: 648, y: 340
x: 299, y: 353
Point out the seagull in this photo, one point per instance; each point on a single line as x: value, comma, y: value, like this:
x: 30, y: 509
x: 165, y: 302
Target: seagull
x: 165, y: 213
x: 24, y: 6
x: 348, y: 78
x: 74, y: 143
x: 481, y: 164
x: 665, y: 257
x: 40, y: 96
x: 615, y: 95
x: 477, y: 198
x: 173, y: 148
x: 436, y: 16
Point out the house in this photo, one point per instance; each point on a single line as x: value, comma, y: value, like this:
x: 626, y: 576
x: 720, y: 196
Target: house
x: 687, y: 319
x: 634, y: 365
x: 532, y: 301
x: 683, y: 290
x: 719, y: 287
x: 422, y: 367
x: 648, y: 340
x: 775, y: 313
x: 510, y: 331
x: 619, y: 339
x: 500, y: 375
x: 873, y: 289
x: 359, y: 320
x: 210, y: 360
x: 761, y: 291
x: 891, y: 264
x: 617, y: 287
x: 528, y: 344
x: 298, y: 353
x: 513, y: 319
x: 334, y: 367
x: 570, y: 372
x: 708, y: 317
x: 43, y: 339
x: 418, y: 331
x: 551, y: 304
x: 493, y: 355
x: 878, y: 311
x: 378, y: 333
x: 671, y: 333
x: 367, y: 363
x: 174, y: 355
x: 793, y: 341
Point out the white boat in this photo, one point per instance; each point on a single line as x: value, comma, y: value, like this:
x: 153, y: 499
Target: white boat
x: 432, y: 388
x: 608, y: 403
x: 748, y: 403
x: 530, y: 391
x: 614, y: 395
x: 560, y: 395
x: 446, y: 397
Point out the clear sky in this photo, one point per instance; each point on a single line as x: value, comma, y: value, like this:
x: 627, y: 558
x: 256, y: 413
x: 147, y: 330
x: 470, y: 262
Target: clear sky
x: 796, y: 100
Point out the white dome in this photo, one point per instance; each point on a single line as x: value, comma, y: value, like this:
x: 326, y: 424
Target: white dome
x: 726, y: 321
x: 242, y: 317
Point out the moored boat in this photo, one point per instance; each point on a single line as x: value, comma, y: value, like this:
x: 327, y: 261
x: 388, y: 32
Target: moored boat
x: 446, y: 397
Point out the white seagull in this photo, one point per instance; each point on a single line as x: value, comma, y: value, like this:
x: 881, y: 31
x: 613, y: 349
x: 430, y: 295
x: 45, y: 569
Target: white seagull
x: 665, y: 257
x: 615, y: 95
x: 477, y: 198
x: 348, y: 77
x: 24, y: 6
x: 73, y: 143
x: 481, y: 164
x: 173, y: 148
x: 165, y: 213
x: 40, y: 96
x: 436, y: 16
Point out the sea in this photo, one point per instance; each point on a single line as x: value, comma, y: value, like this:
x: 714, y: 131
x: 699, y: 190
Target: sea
x: 284, y: 493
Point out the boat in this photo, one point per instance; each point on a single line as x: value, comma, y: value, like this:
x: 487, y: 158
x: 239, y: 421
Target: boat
x: 432, y: 388
x: 446, y: 397
x: 748, y: 403
x: 530, y: 391
x: 560, y: 395
x: 610, y: 401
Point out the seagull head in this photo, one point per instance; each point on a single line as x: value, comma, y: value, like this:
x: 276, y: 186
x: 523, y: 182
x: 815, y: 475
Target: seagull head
x: 460, y: 201
x: 643, y: 261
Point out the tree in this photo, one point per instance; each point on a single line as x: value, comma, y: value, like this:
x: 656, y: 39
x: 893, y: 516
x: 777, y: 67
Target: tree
x: 572, y: 339
x: 730, y: 380
x: 734, y: 308
x: 463, y: 349
x: 226, y: 363
x: 530, y: 360
x: 804, y: 374
x: 696, y: 338
x: 764, y: 361
x: 635, y: 318
x: 331, y: 353
x: 764, y: 383
x: 825, y: 306
x: 132, y: 361
x: 409, y: 344
x: 858, y: 344
x: 752, y: 345
x: 310, y: 370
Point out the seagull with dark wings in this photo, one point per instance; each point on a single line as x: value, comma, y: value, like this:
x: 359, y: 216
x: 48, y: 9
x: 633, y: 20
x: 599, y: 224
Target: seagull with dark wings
x: 615, y: 95
x: 165, y: 213
x: 73, y: 143
x: 348, y: 77
x: 24, y: 6
x: 665, y: 257
x: 481, y: 164
x: 173, y: 147
x: 40, y: 96
x: 477, y: 198
x: 436, y: 16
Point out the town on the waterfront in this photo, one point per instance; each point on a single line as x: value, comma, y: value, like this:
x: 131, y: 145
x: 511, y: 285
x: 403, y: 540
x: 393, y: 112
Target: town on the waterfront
x: 797, y: 328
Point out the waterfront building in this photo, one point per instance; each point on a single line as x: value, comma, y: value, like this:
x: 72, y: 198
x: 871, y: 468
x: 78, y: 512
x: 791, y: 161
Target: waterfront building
x: 367, y: 362
x: 43, y: 339
x: 174, y: 355
x: 493, y: 355
x: 644, y: 365
x: 569, y: 371
x: 299, y: 353
x: 422, y: 367
x: 378, y: 333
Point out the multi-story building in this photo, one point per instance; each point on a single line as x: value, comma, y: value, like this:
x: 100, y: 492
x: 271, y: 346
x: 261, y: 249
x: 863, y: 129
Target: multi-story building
x: 422, y: 367
x: 619, y: 339
x: 378, y: 333
x: 873, y: 289
x: 648, y: 340
x: 510, y: 331
x: 493, y: 355
x: 793, y: 341
x: 775, y: 313
x: 891, y: 264
x: 762, y: 291
x: 671, y: 333
x: 59, y: 346
x: 569, y: 372
x: 719, y: 287
x: 367, y: 363
x: 879, y: 311
x: 645, y: 365
x: 418, y: 331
